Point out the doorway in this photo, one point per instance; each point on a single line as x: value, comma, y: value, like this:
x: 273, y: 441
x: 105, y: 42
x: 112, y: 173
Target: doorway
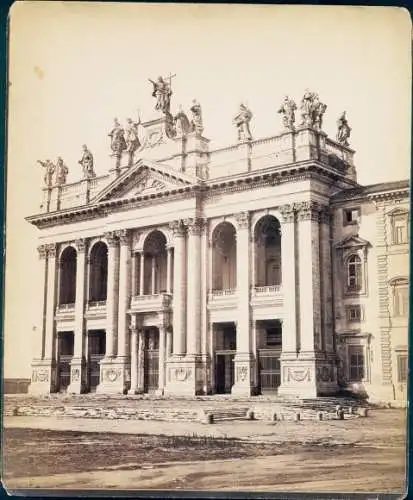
x: 96, y: 352
x: 151, y: 360
x: 225, y: 349
x: 269, y: 338
x: 65, y: 351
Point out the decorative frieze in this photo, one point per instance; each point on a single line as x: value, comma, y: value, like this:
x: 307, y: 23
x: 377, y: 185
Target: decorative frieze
x: 51, y: 250
x: 80, y: 245
x: 242, y: 219
x: 40, y: 375
x: 42, y: 249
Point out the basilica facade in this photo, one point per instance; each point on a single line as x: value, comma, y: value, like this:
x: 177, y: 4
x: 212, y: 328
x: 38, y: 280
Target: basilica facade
x: 259, y: 268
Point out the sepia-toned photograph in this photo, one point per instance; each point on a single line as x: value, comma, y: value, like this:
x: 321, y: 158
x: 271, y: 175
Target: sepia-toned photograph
x: 207, y: 249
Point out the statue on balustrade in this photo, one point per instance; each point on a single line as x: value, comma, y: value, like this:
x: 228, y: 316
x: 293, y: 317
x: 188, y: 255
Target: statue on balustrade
x: 344, y: 130
x: 62, y: 171
x: 242, y: 122
x: 287, y: 110
x: 50, y: 170
x: 132, y: 138
x: 87, y: 163
x: 196, y: 123
x: 312, y: 110
x: 162, y: 91
x: 117, y: 136
x: 182, y: 125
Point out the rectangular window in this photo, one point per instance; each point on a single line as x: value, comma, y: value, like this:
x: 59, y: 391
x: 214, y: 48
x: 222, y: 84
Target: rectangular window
x: 356, y: 363
x: 400, y: 230
x: 274, y: 336
x: 401, y: 300
x: 351, y: 216
x: 354, y: 313
x: 402, y: 368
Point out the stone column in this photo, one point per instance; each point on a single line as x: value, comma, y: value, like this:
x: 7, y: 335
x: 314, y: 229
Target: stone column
x: 109, y: 372
x: 168, y: 342
x: 77, y: 365
x: 168, y: 270
x: 153, y: 277
x: 194, y: 288
x: 50, y: 303
x: 179, y: 323
x: 134, y: 356
x: 141, y: 272
x: 243, y: 358
x: 41, y: 369
x: 141, y: 359
x: 162, y: 339
x: 134, y: 275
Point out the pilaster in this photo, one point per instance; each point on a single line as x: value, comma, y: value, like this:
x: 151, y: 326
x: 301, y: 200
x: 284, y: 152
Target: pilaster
x: 134, y: 356
x: 244, y: 360
x: 78, y: 380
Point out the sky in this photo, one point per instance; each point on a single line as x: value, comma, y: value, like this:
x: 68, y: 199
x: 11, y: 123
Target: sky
x: 73, y: 67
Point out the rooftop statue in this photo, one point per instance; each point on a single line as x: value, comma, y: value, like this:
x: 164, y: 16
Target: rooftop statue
x: 50, y: 170
x: 287, y: 110
x: 312, y: 110
x: 162, y: 91
x: 62, y: 171
x: 196, y: 124
x: 344, y: 130
x: 117, y: 136
x: 242, y: 122
x: 87, y: 163
x: 132, y: 138
x: 182, y: 125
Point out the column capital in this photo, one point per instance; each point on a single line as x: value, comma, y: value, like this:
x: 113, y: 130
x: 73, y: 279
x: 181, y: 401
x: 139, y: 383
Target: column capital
x: 242, y: 220
x: 308, y: 210
x: 42, y: 249
x: 111, y: 238
x: 288, y: 213
x: 80, y: 245
x: 195, y: 225
x: 51, y: 250
x: 124, y: 236
x: 178, y: 227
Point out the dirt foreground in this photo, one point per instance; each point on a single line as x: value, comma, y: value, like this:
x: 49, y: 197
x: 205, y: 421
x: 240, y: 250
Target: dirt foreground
x: 359, y: 455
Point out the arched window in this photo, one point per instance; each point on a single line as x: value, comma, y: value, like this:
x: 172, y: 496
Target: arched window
x: 98, y: 277
x: 354, y: 273
x: 67, y: 292
x: 155, y: 263
x: 224, y: 257
x: 267, y: 237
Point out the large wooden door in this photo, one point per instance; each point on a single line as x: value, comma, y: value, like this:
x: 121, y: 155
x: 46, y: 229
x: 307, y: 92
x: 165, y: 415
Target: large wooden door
x: 151, y: 361
x: 64, y: 357
x: 224, y: 372
x: 96, y: 351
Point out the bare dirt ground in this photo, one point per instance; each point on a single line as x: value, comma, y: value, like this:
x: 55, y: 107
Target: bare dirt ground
x: 358, y: 455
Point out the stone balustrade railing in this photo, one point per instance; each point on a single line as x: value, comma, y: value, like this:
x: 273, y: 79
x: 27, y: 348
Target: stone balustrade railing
x: 222, y: 293
x: 97, y: 304
x: 266, y: 290
x: 66, y: 307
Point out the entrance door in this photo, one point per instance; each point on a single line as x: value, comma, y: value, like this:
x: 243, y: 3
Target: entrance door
x: 224, y: 372
x: 64, y: 357
x: 151, y: 360
x: 96, y: 351
x: 269, y: 370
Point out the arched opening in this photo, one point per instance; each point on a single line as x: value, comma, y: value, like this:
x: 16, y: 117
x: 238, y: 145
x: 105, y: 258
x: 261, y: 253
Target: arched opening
x: 67, y: 292
x: 155, y: 263
x: 98, y: 274
x: 224, y: 257
x: 267, y: 237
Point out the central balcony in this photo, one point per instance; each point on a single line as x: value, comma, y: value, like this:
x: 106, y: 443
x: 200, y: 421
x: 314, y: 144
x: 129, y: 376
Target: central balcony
x: 65, y: 311
x: 96, y: 309
x: 151, y: 303
x: 267, y: 295
x: 219, y: 299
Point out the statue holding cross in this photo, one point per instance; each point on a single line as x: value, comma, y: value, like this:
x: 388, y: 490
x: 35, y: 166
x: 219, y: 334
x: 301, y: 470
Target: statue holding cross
x: 162, y: 91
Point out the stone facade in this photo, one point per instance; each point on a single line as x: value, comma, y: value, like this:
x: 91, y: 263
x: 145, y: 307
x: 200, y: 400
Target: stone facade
x: 263, y: 267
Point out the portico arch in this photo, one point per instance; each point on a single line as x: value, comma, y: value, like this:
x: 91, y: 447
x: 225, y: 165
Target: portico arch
x: 155, y: 263
x: 98, y: 272
x: 267, y: 239
x: 67, y: 291
x: 224, y: 257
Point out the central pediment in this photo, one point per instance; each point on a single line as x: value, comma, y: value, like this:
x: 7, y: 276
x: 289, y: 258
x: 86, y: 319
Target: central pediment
x: 145, y: 178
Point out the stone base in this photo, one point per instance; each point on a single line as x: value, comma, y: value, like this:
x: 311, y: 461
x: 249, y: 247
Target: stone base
x: 244, y: 366
x: 308, y: 377
x: 184, y: 376
x: 43, y: 380
x: 114, y: 376
x: 78, y: 375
